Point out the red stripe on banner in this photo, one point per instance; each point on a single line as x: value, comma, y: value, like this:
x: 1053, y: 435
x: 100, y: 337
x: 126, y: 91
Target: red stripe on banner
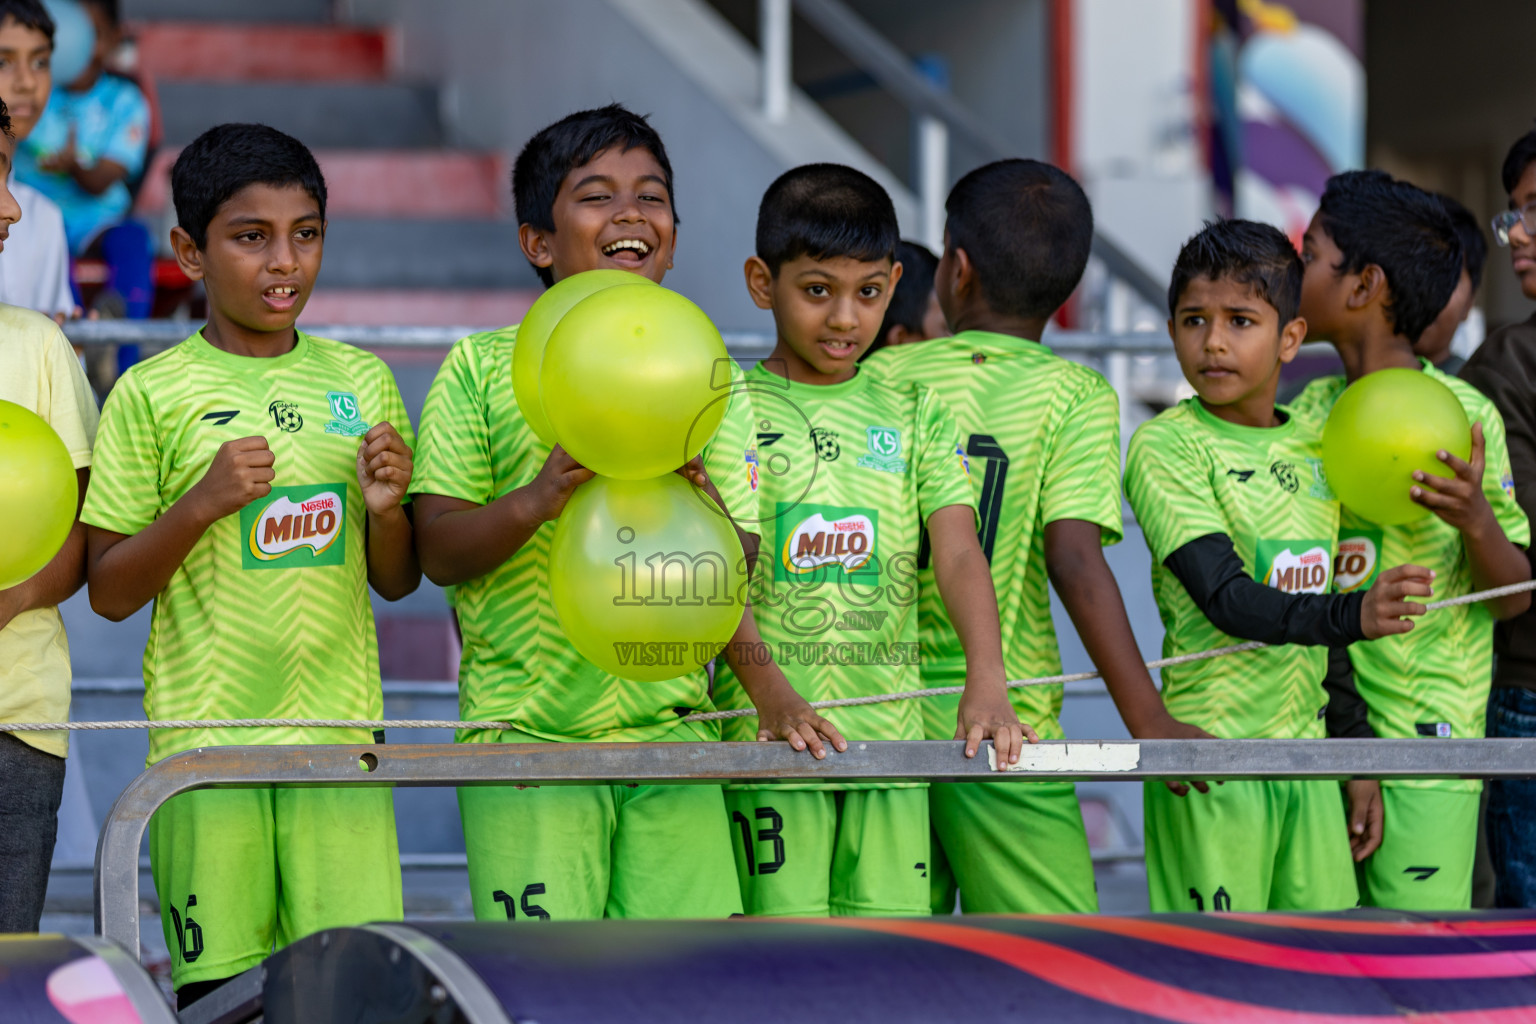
x: 1523, y: 926
x: 1105, y: 983
x: 1501, y: 964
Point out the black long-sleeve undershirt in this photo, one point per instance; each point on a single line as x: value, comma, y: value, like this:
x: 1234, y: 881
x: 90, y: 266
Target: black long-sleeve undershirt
x: 1239, y: 606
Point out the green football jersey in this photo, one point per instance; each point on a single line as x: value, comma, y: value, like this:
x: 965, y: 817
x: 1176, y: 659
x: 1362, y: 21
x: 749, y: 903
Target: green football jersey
x: 1433, y: 680
x: 1043, y: 434
x: 1189, y: 474
x: 517, y: 663
x: 268, y: 616
x: 850, y: 472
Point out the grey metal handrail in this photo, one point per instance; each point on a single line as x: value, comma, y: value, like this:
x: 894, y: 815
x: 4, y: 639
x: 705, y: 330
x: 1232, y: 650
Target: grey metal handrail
x: 878, y: 57
x: 467, y: 764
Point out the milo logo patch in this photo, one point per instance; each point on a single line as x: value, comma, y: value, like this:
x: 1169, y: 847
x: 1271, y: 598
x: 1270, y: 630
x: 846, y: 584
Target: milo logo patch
x: 295, y: 528
x: 822, y: 539
x: 1294, y: 566
x: 1354, y: 568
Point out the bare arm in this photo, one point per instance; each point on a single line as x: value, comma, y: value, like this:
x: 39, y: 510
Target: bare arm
x: 61, y: 577
x: 965, y: 582
x: 126, y: 572
x: 384, y: 465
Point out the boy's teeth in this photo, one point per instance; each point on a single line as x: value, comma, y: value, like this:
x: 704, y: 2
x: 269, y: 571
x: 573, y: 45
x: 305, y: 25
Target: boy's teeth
x: 627, y: 243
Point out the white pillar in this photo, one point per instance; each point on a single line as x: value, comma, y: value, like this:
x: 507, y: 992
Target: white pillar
x: 932, y: 178
x: 773, y: 21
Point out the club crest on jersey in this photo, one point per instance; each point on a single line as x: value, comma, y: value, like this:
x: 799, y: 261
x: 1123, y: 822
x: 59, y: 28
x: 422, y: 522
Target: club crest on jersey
x: 1294, y: 566
x: 295, y: 528
x: 1354, y: 567
x: 884, y: 450
x: 828, y: 542
x: 346, y: 417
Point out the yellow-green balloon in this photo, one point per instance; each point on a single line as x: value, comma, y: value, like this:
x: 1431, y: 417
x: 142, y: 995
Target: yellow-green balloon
x: 533, y: 336
x: 647, y: 576
x: 635, y: 381
x: 38, y: 494
x: 1386, y: 425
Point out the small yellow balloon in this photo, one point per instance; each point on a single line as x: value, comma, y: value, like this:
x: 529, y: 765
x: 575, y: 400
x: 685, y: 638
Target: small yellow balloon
x: 533, y: 336
x: 40, y: 493
x: 1383, y: 427
x: 635, y: 382
x: 647, y: 576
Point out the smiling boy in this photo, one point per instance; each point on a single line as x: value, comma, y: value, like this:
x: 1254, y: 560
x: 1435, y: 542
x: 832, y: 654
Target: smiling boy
x: 1229, y: 490
x: 250, y: 481
x: 593, y: 191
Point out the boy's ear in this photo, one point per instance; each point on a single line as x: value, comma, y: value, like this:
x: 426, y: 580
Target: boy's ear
x: 535, y: 245
x: 1291, y: 337
x: 188, y: 256
x: 967, y: 284
x: 759, y: 282
x: 1370, y: 287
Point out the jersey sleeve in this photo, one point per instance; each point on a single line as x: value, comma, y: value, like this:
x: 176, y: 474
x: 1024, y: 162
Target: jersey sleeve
x: 730, y: 458
x: 129, y: 139
x: 1499, y: 479
x: 124, y: 495
x: 71, y: 410
x: 1168, y: 485
x: 453, y: 454
x: 943, y: 473
x: 1082, y: 473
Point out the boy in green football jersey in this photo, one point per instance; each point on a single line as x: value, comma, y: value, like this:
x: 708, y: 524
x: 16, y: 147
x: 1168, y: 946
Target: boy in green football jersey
x: 1047, y: 431
x: 251, y: 482
x: 1382, y: 259
x: 862, y: 483
x: 593, y: 190
x: 1230, y: 493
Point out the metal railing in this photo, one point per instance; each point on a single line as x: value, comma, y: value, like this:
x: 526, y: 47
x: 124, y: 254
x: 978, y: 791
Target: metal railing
x: 939, y: 114
x: 116, y: 880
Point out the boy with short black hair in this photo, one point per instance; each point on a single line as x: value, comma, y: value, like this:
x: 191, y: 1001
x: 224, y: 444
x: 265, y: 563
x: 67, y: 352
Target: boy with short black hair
x: 1504, y: 369
x: 914, y: 313
x: 1242, y: 527
x: 1382, y: 259
x: 250, y: 482
x: 593, y: 190
x: 34, y: 269
x: 39, y: 372
x: 1047, y: 432
x: 1435, y: 343
x: 865, y: 483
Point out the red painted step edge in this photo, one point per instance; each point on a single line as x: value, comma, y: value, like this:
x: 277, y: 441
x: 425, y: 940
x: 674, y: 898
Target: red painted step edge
x: 221, y: 52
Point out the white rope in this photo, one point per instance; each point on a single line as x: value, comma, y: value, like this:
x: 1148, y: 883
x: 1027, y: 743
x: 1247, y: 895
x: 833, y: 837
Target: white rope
x: 703, y: 716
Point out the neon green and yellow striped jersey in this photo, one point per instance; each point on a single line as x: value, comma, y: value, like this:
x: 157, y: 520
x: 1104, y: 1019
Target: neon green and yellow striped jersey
x: 1043, y: 437
x: 1434, y: 680
x: 850, y: 472
x: 1189, y: 474
x: 268, y: 616
x: 517, y: 664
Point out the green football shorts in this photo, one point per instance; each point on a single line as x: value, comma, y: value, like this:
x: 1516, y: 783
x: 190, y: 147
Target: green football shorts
x: 1428, y: 841
x: 240, y: 871
x: 1012, y: 848
x: 820, y: 853
x: 1248, y: 846
x: 569, y: 853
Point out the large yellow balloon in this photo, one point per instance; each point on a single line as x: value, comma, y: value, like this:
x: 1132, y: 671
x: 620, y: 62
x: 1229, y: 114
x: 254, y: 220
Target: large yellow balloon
x: 533, y: 336
x: 647, y: 576
x: 635, y: 382
x: 38, y: 494
x: 1386, y: 425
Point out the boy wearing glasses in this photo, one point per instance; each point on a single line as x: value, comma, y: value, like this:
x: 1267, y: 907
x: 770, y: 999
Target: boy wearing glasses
x: 1504, y: 368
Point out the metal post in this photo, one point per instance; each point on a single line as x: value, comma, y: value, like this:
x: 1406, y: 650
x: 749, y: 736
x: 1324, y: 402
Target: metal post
x: 932, y: 178
x: 470, y: 764
x: 773, y: 23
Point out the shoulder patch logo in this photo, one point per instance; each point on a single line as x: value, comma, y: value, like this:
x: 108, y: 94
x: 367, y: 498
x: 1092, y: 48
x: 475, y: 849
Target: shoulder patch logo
x: 884, y: 450
x: 346, y: 417
x: 286, y: 416
x: 221, y: 418
x: 752, y: 474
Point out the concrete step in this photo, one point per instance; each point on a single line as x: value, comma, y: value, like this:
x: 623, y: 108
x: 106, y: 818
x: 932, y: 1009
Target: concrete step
x: 393, y: 115
x: 218, y: 51
x: 409, y: 184
x: 304, y: 11
x: 406, y: 307
x: 449, y: 254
